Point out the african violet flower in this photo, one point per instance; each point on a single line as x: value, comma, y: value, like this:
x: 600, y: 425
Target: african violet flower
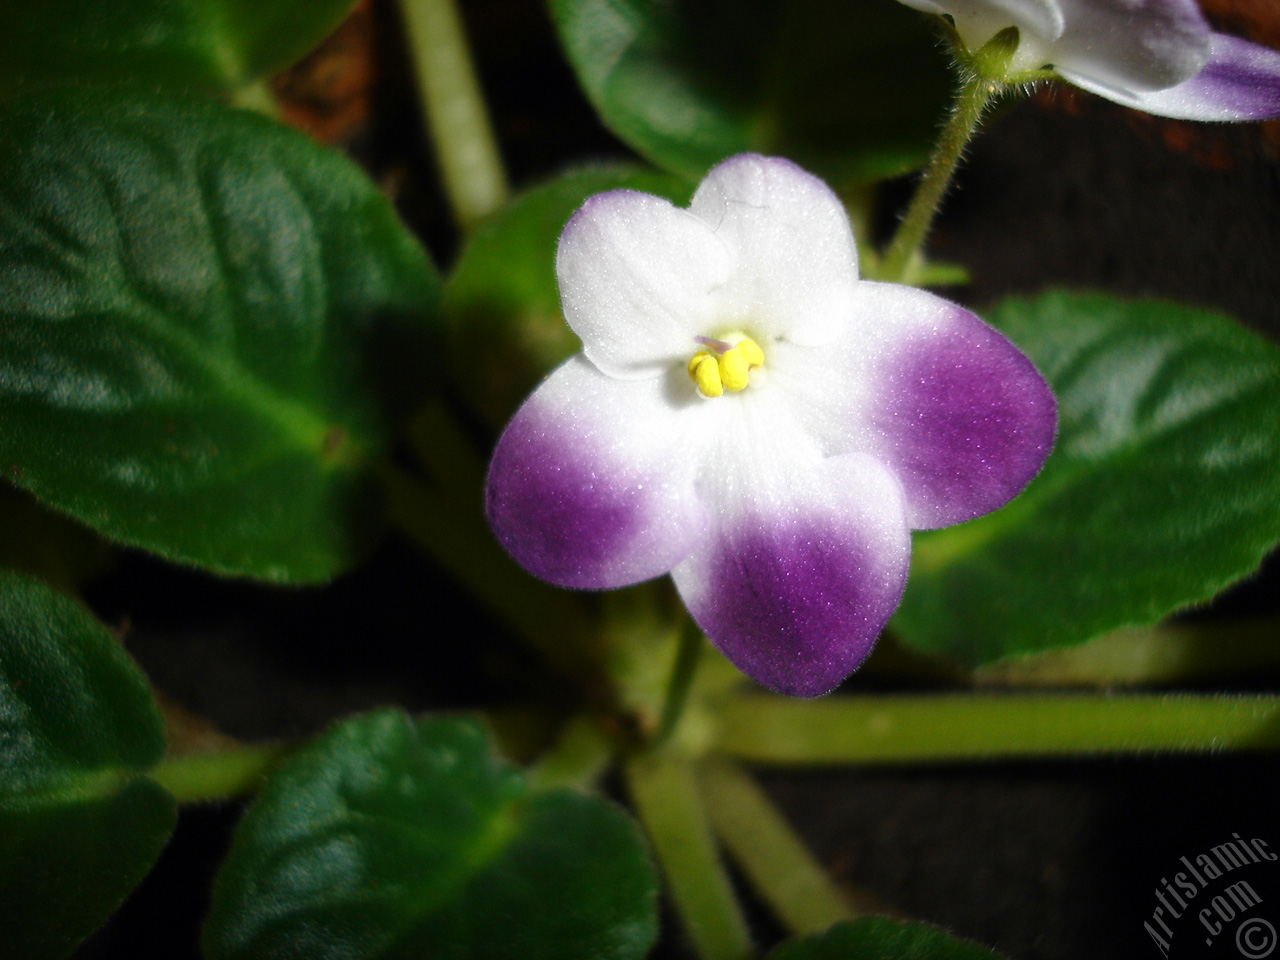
x: 751, y: 417
x: 1155, y: 55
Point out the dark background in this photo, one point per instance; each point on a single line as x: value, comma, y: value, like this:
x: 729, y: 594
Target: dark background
x: 1044, y: 861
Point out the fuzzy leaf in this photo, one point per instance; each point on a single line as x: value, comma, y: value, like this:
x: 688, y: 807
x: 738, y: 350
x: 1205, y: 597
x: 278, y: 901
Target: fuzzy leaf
x: 389, y: 838
x: 208, y: 327
x: 205, y: 44
x: 852, y: 91
x: 80, y: 824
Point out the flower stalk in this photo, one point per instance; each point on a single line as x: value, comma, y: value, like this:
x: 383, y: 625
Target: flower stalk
x: 257, y: 95
x: 1166, y: 653
x: 457, y: 120
x: 664, y: 788
x: 901, y: 258
x: 221, y: 774
x: 682, y: 672
x: 906, y: 729
x: 776, y: 861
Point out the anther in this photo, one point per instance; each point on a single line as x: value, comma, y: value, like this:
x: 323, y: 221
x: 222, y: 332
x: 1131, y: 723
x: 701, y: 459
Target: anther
x: 734, y: 369
x: 704, y: 369
x: 751, y: 352
x: 727, y: 365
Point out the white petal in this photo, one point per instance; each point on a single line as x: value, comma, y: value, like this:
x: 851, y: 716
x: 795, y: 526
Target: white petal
x: 639, y: 279
x: 1240, y: 82
x: 592, y: 483
x: 1131, y: 45
x: 795, y: 264
x: 1040, y: 21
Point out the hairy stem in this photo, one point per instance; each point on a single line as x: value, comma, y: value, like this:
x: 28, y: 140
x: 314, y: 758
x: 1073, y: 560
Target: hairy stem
x: 665, y: 791
x: 457, y: 120
x: 1162, y: 654
x: 578, y: 759
x: 777, y: 862
x: 903, y: 729
x: 257, y: 96
x: 681, y: 680
x: 220, y: 774
x: 975, y: 94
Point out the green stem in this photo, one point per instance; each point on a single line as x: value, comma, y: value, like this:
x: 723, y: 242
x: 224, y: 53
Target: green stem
x: 221, y: 774
x: 457, y: 121
x: 665, y: 792
x: 578, y: 759
x: 256, y: 95
x: 458, y: 540
x: 1167, y: 653
x: 681, y: 680
x: 902, y: 729
x: 779, y: 865
x: 902, y: 255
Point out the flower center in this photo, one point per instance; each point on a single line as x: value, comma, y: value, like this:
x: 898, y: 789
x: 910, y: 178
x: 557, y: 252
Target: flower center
x: 724, y: 364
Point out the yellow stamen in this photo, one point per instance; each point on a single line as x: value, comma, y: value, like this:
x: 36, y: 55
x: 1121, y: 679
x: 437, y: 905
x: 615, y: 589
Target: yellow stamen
x: 734, y: 369
x: 751, y: 352
x: 714, y: 373
x: 705, y: 371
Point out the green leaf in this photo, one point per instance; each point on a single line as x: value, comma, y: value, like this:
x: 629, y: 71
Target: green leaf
x: 395, y: 838
x: 208, y: 325
x: 46, y: 545
x: 80, y: 824
x: 852, y: 91
x: 502, y: 301
x: 191, y: 44
x: 877, y: 938
x: 1163, y: 487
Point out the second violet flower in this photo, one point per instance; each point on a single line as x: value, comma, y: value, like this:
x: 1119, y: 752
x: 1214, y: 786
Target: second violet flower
x: 1159, y: 56
x: 752, y: 418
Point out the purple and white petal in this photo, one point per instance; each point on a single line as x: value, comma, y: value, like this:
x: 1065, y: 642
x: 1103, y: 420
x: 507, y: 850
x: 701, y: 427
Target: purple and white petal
x: 591, y: 485
x: 794, y: 584
x: 953, y: 408
x: 1134, y: 45
x: 1240, y: 82
x: 639, y: 279
x: 979, y: 20
x: 795, y: 262
x: 960, y: 414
